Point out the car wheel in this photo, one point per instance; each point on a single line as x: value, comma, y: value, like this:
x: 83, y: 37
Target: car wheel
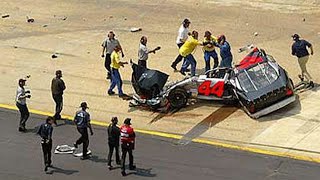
x: 178, y: 98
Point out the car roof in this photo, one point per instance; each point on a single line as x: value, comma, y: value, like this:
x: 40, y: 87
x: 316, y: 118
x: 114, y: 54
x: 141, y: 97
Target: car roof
x: 254, y: 57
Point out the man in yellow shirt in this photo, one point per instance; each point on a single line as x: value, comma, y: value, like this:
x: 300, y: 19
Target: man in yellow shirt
x: 115, y: 75
x: 186, y: 51
x: 209, y: 51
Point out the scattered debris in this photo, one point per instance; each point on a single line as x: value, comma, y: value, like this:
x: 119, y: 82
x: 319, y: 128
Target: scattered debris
x: 125, y: 18
x: 30, y: 20
x: 45, y: 25
x: 256, y: 34
x: 245, y: 48
x: 88, y: 52
x: 53, y: 56
x: 247, y: 24
x: 5, y: 15
x: 64, y: 18
x: 15, y: 47
x: 110, y: 16
x: 304, y: 19
x: 135, y: 29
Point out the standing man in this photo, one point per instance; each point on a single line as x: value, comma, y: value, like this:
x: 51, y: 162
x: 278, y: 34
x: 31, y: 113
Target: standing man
x: 45, y: 132
x: 209, y: 51
x: 143, y: 52
x: 127, y: 145
x: 181, y: 39
x: 225, y: 52
x: 82, y: 120
x: 186, y: 51
x: 299, y: 49
x: 57, y: 88
x: 115, y: 74
x: 113, y: 141
x: 108, y: 46
x: 21, y: 103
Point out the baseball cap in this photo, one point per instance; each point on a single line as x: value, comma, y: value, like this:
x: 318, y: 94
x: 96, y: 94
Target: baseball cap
x: 84, y: 105
x: 295, y: 36
x: 207, y: 33
x: 185, y: 21
x: 22, y: 80
x: 127, y: 121
x: 58, y: 72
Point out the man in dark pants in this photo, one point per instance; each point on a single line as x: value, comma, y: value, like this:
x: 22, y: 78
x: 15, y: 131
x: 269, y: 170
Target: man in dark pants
x: 45, y: 132
x: 182, y: 37
x: 82, y: 120
x: 127, y: 145
x: 21, y: 103
x: 107, y: 48
x: 57, y: 88
x: 113, y: 141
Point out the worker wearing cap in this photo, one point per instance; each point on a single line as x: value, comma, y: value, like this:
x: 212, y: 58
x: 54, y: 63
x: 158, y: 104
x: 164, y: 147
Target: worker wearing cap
x: 115, y: 74
x: 181, y: 39
x: 209, y: 50
x: 127, y: 139
x: 108, y: 46
x: 45, y: 132
x: 57, y: 88
x: 299, y: 49
x: 21, y: 103
x: 113, y: 141
x: 82, y: 120
x: 225, y: 52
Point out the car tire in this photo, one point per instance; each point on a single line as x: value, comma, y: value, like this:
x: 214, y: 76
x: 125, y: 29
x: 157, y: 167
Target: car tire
x: 178, y: 98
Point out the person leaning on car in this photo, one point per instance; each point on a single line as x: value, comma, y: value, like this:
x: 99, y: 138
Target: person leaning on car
x: 299, y: 49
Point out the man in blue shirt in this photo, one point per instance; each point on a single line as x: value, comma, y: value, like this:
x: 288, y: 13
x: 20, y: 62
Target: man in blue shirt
x: 225, y: 52
x: 299, y: 49
x: 45, y: 132
x: 82, y: 120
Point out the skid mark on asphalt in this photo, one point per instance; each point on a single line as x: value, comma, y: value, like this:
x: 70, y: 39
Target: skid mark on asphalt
x: 161, y: 115
x: 213, y: 119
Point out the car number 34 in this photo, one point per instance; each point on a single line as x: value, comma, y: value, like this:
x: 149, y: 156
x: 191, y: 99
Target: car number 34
x: 217, y: 89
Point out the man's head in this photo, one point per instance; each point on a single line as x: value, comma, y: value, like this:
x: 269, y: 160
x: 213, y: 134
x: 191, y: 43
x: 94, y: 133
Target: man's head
x: 111, y: 35
x: 194, y: 34
x: 144, y: 40
x: 186, y: 22
x: 49, y: 120
x: 295, y: 37
x: 221, y: 39
x: 58, y: 73
x: 117, y: 48
x: 84, y: 105
x: 127, y: 121
x: 114, y: 120
x: 22, y: 82
x: 207, y: 34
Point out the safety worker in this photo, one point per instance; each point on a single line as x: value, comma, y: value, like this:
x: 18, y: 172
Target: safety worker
x: 225, y: 52
x: 182, y: 37
x: 209, y: 51
x: 82, y: 120
x: 115, y: 74
x: 57, y: 88
x: 299, y: 49
x: 113, y: 141
x: 21, y: 103
x: 45, y: 132
x: 107, y: 48
x: 127, y: 139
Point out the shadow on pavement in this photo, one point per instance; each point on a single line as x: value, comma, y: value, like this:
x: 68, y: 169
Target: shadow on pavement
x: 97, y: 159
x: 62, y: 171
x: 142, y: 172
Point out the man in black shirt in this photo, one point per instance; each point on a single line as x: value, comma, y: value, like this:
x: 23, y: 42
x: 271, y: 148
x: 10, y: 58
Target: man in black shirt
x: 45, y: 132
x: 299, y: 49
x: 113, y: 141
x: 57, y: 88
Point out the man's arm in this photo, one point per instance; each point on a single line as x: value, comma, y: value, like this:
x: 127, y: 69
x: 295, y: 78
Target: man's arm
x: 293, y: 50
x: 311, y: 50
x: 104, y: 46
x: 89, y: 125
x: 121, y: 49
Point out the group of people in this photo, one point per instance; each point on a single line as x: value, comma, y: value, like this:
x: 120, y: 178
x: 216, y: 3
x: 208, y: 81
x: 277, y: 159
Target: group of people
x: 125, y: 134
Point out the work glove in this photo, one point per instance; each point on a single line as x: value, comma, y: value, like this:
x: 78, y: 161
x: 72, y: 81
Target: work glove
x: 28, y: 91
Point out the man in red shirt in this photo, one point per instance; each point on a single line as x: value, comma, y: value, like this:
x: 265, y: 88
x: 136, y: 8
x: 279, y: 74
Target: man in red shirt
x: 127, y: 139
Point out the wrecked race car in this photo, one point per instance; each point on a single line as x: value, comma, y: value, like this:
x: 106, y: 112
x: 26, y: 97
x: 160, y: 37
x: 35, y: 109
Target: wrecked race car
x: 257, y: 83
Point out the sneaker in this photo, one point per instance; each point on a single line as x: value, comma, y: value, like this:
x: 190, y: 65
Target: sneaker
x: 311, y: 84
x: 75, y: 145
x: 300, y: 77
x: 132, y: 167
x: 183, y: 73
x: 123, y: 173
x: 111, y: 93
x: 21, y: 129
x: 110, y: 167
x: 46, y: 168
x: 188, y: 70
x: 174, y: 67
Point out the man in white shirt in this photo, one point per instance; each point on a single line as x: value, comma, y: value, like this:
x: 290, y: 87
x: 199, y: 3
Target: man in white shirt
x: 21, y: 103
x: 182, y: 37
x: 144, y: 51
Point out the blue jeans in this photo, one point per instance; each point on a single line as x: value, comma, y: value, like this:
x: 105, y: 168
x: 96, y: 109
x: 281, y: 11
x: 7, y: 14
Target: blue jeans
x: 189, y: 59
x: 207, y: 55
x: 116, y: 81
x: 226, y: 62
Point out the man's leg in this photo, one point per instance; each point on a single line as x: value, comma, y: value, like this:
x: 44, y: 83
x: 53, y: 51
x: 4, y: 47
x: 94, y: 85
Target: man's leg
x: 25, y: 116
x: 58, y: 99
x: 178, y: 58
x: 107, y: 64
x: 113, y: 83
x: 123, y: 158
x: 207, y: 61
x: 49, y: 149
x: 193, y: 64
x: 131, y: 166
x: 45, y: 154
x: 19, y: 106
x: 185, y: 65
x: 85, y: 144
x: 303, y: 66
x: 110, y: 153
x: 80, y: 140
x: 214, y: 55
x: 117, y: 154
x: 118, y: 82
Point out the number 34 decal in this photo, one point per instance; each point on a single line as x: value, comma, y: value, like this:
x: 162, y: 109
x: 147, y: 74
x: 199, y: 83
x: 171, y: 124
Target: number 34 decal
x: 217, y: 89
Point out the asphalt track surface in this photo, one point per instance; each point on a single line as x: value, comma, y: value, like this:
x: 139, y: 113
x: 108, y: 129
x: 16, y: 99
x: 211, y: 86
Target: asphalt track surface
x: 155, y: 157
